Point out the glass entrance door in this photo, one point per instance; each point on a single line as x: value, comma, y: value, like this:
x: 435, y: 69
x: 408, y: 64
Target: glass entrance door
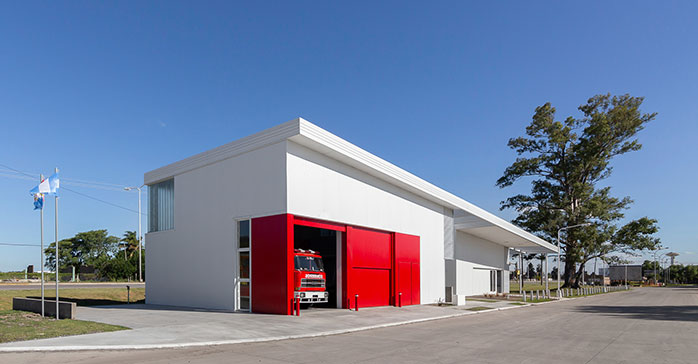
x: 243, y: 288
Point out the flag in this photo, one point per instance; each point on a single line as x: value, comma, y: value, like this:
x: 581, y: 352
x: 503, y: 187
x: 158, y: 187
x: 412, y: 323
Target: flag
x: 38, y: 193
x: 54, y: 183
x: 43, y: 187
x: 39, y: 201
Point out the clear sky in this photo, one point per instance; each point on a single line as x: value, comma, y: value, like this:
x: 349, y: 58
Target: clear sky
x: 109, y: 90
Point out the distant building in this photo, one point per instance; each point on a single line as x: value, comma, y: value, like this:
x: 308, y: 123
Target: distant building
x: 620, y: 273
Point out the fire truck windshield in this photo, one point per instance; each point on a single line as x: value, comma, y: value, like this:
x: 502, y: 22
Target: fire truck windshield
x: 311, y: 264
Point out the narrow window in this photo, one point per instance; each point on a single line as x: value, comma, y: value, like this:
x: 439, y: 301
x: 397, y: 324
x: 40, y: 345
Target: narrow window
x: 161, y: 206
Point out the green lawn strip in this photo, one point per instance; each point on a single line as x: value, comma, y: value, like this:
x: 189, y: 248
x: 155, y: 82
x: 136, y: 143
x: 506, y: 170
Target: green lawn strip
x: 81, y: 296
x: 517, y: 303
x: 478, y: 308
x: 20, y: 326
x: 481, y: 300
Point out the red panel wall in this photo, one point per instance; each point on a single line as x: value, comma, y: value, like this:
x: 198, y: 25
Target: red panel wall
x: 369, y: 248
x: 406, y: 255
x: 368, y: 267
x: 272, y: 264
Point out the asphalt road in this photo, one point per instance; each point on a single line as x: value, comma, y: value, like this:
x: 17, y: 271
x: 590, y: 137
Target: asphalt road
x: 650, y: 325
x: 52, y: 285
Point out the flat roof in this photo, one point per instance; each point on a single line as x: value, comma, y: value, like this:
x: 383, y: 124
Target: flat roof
x: 469, y: 218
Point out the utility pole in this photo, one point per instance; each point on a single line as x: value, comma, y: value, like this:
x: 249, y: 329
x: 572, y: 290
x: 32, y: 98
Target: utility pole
x: 57, y: 305
x: 140, y: 238
x: 41, y: 179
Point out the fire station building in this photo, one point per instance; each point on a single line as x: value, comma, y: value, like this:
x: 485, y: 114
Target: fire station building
x: 223, y: 226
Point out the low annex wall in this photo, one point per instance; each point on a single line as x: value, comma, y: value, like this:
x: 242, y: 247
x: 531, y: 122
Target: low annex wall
x: 66, y: 310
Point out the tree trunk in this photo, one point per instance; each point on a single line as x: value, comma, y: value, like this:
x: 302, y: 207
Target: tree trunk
x: 570, y: 274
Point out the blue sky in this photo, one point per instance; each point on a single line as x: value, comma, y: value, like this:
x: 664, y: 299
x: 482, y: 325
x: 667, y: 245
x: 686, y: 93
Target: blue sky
x: 109, y: 90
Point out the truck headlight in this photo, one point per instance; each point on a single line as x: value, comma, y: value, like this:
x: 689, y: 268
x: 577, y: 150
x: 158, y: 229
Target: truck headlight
x: 327, y: 294
x: 302, y: 294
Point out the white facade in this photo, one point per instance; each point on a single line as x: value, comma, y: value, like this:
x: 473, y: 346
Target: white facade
x: 300, y: 169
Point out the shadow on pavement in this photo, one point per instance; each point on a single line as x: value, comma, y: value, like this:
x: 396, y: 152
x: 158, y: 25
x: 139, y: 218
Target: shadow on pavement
x: 665, y: 313
x: 92, y: 302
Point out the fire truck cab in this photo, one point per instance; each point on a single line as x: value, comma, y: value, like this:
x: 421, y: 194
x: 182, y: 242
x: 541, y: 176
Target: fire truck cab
x: 309, y: 277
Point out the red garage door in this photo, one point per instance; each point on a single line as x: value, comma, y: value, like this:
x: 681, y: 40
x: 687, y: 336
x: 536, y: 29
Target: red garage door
x: 407, y: 263
x: 368, y: 267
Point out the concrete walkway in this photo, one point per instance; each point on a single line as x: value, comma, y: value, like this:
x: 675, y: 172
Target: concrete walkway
x: 156, y: 327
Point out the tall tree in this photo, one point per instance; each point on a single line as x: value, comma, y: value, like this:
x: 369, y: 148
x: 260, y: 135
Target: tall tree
x: 129, y: 244
x: 566, y: 161
x: 84, y: 248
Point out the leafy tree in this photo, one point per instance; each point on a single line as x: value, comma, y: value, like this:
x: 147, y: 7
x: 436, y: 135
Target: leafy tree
x: 650, y: 265
x: 129, y: 244
x: 66, y: 258
x: 553, y: 273
x: 117, y: 268
x: 567, y: 160
x: 86, y: 248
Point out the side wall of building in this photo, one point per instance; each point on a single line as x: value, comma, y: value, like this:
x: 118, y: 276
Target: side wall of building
x: 475, y: 258
x: 195, y: 264
x: 323, y: 188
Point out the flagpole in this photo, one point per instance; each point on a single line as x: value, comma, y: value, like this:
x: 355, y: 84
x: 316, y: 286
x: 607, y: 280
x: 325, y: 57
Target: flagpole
x: 56, y: 197
x: 41, y: 178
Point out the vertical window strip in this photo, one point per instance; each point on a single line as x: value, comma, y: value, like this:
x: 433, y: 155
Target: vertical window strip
x: 161, y: 206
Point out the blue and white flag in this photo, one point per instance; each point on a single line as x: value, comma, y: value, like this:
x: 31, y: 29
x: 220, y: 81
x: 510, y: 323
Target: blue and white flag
x: 54, y: 183
x: 48, y: 186
x: 43, y: 187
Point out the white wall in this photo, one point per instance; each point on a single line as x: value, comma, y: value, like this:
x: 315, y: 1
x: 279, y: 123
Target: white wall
x: 194, y: 265
x: 475, y: 257
x: 323, y: 188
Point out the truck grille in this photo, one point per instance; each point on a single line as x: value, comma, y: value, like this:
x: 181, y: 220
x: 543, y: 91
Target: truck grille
x: 312, y: 283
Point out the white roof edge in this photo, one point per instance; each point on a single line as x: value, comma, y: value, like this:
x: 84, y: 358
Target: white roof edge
x: 255, y: 141
x: 395, y: 173
x: 299, y: 129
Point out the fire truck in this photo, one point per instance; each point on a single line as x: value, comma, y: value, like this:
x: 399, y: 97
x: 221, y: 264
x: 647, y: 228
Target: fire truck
x: 309, y: 277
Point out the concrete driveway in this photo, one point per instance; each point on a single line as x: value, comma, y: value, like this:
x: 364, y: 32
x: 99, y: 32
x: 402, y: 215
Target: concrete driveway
x: 650, y: 325
x: 172, y: 327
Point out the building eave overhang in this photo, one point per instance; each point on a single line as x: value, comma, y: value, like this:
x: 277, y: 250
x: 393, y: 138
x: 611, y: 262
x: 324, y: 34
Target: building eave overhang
x: 315, y: 138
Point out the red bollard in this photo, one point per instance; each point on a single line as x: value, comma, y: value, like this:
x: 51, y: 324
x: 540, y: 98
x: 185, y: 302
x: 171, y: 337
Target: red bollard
x: 399, y: 299
x: 356, y: 298
x: 298, y: 306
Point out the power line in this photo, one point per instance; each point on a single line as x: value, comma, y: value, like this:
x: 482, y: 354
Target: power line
x: 107, y: 186
x: 100, y: 200
x: 18, y: 244
x: 71, y: 181
x: 18, y: 171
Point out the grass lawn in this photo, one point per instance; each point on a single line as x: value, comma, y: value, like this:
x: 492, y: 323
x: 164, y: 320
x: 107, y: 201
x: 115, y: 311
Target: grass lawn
x: 481, y: 299
x: 517, y: 303
x: 478, y: 308
x: 20, y: 325
x: 81, y: 296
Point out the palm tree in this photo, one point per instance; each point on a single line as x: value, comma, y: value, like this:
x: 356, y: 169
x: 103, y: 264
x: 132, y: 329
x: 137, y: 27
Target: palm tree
x: 129, y: 243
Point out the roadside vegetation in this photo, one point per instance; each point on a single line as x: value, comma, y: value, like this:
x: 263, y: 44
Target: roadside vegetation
x: 566, y: 162
x: 20, y: 325
x: 94, y: 255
